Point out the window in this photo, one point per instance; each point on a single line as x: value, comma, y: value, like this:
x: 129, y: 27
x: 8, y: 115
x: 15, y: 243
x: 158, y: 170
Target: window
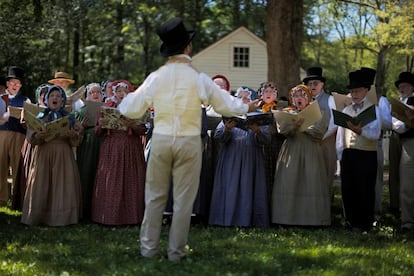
x: 241, y: 57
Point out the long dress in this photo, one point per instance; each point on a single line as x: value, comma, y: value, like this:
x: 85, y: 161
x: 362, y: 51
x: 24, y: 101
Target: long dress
x: 300, y: 194
x: 239, y: 195
x: 19, y: 188
x: 53, y: 193
x: 87, y: 155
x: 118, y: 193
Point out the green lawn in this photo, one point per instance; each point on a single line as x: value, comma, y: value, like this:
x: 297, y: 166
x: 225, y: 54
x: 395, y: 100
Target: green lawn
x: 91, y: 249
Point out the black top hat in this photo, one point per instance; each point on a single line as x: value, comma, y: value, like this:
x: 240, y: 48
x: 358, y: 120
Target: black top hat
x: 314, y: 73
x: 361, y: 78
x: 174, y: 37
x: 407, y: 77
x: 370, y: 74
x: 15, y: 72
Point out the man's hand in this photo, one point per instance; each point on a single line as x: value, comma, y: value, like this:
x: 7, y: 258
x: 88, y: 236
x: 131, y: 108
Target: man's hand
x: 254, y: 105
x: 298, y: 123
x: 355, y: 128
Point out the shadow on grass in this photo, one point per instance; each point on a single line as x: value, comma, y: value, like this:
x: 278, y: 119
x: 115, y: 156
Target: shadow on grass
x: 92, y: 249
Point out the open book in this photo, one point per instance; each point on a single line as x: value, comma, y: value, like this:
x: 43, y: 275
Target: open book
x: 78, y: 94
x: 363, y: 118
x: 112, y: 118
x: 399, y: 109
x: 92, y: 110
x: 54, y: 129
x: 32, y: 108
x: 256, y: 117
x: 15, y: 112
x: 342, y: 100
x: 311, y: 114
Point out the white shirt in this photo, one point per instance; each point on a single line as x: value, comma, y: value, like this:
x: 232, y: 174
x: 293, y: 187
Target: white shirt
x: 369, y: 132
x: 384, y: 109
x: 176, y: 91
x: 331, y: 127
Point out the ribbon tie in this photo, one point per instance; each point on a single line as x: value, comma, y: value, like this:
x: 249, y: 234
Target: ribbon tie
x: 358, y: 106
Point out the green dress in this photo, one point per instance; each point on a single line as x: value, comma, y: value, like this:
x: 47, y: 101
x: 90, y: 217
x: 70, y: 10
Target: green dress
x: 87, y: 156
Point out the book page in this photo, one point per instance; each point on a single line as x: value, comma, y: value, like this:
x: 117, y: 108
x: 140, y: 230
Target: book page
x: 341, y: 100
x: 54, y: 129
x: 32, y: 108
x: 77, y: 94
x: 372, y: 95
x: 57, y: 128
x: 32, y: 122
x: 113, y: 118
x: 399, y: 109
x: 15, y: 112
x: 92, y: 110
x: 311, y: 114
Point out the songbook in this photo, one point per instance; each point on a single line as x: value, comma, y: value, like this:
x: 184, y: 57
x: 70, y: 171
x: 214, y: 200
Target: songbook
x: 32, y: 108
x: 372, y: 95
x: 256, y: 117
x: 15, y: 112
x: 399, y: 110
x: 54, y: 129
x: 113, y: 118
x: 341, y: 100
x: 92, y: 110
x: 363, y: 118
x: 311, y: 114
x: 78, y: 94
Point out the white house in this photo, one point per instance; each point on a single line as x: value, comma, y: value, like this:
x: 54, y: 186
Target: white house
x: 241, y: 56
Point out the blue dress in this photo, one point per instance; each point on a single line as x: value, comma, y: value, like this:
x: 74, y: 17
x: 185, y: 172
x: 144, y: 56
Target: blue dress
x: 239, y: 195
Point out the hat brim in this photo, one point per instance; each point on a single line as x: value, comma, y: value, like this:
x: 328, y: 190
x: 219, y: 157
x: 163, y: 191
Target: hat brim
x: 398, y: 82
x: 166, y: 52
x: 61, y: 79
x: 358, y: 85
x: 309, y: 78
x: 13, y: 77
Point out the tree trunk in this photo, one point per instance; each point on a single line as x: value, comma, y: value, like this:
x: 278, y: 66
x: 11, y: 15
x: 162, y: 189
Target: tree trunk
x: 284, y: 40
x: 381, y: 71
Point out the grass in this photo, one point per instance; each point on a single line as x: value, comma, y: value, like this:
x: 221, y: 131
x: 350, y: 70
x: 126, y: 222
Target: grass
x: 91, y: 249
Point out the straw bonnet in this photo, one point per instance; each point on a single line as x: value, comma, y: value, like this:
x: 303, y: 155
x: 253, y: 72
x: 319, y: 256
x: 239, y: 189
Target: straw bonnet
x: 59, y: 76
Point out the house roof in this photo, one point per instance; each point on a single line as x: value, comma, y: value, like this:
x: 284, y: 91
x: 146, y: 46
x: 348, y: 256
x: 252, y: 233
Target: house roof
x: 230, y: 36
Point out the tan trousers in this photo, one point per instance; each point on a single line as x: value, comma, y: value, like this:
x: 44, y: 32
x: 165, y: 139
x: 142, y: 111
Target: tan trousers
x: 11, y: 143
x: 179, y: 157
x: 406, y: 181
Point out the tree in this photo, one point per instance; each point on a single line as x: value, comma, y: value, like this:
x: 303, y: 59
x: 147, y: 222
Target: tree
x: 284, y: 35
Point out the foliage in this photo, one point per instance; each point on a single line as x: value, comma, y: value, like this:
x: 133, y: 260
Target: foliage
x: 92, y: 249
x: 96, y: 40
